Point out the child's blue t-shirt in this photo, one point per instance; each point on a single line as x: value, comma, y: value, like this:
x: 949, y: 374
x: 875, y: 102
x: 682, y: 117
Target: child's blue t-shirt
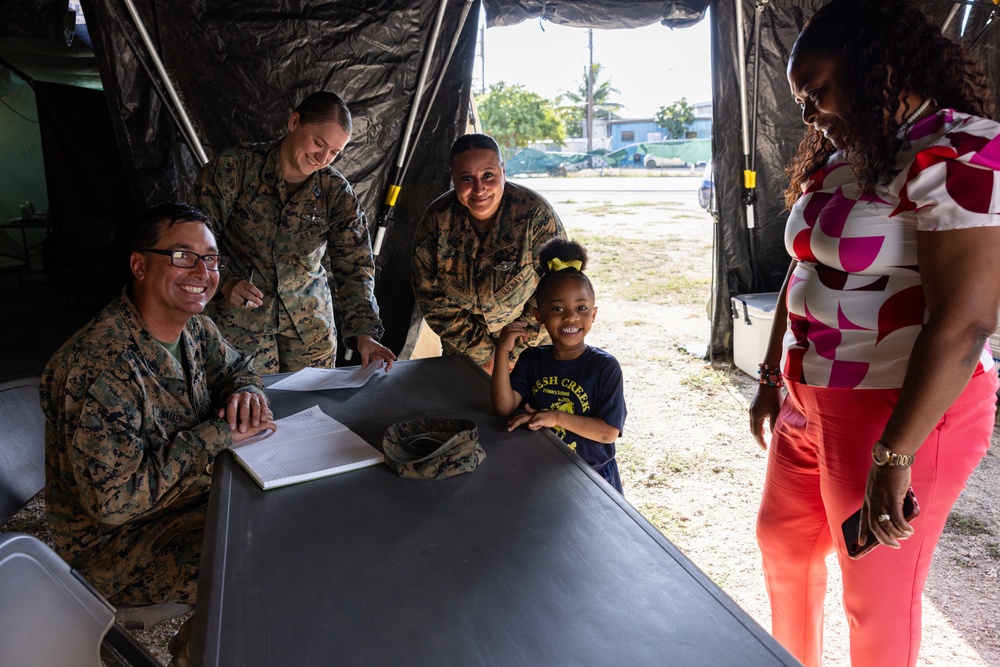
x: 590, y: 385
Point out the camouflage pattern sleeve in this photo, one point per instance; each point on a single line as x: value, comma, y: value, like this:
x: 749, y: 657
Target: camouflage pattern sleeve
x: 130, y: 436
x: 545, y: 225
x: 217, y: 188
x: 129, y: 428
x: 352, y: 266
x: 121, y: 478
x: 460, y: 331
x: 226, y: 370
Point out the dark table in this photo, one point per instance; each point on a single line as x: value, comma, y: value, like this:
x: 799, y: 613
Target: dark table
x: 532, y: 559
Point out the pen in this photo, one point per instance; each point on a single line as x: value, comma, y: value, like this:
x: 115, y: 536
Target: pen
x: 246, y: 302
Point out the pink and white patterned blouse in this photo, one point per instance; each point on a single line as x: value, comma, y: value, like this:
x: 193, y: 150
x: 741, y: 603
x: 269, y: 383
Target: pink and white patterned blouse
x: 855, y: 299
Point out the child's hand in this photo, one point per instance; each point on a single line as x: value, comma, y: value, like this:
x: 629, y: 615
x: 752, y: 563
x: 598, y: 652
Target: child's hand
x: 510, y: 334
x: 534, y: 419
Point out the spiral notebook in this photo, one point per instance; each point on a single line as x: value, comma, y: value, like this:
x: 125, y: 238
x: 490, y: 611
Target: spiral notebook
x: 307, y: 445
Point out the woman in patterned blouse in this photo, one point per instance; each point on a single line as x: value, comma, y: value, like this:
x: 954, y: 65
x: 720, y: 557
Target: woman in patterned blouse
x: 881, y: 327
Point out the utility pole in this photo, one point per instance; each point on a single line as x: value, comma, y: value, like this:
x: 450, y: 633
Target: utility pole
x: 590, y: 92
x: 482, y: 59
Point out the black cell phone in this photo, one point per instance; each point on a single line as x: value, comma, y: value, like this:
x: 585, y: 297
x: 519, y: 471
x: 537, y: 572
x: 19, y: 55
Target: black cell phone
x: 853, y: 522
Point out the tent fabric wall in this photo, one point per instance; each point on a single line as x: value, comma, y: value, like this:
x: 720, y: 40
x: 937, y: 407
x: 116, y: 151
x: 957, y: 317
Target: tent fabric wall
x: 755, y: 260
x: 90, y: 180
x: 779, y: 129
x: 240, y: 67
x: 239, y: 70
x: 57, y: 141
x: 86, y: 181
x: 22, y: 174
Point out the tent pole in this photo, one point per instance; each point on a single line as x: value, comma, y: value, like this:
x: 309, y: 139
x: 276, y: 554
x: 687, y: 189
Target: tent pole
x: 394, y: 182
x: 741, y: 72
x: 437, y: 84
x: 749, y: 171
x: 171, y: 92
x: 951, y: 15
x: 982, y: 31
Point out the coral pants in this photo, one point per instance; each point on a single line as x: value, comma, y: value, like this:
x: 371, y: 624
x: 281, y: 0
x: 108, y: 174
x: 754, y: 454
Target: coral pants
x: 817, y: 468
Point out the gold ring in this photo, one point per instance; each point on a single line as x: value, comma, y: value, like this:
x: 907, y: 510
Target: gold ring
x: 882, y: 518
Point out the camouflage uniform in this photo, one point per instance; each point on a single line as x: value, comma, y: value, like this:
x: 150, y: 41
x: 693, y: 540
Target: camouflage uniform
x: 284, y: 236
x: 129, y: 442
x: 469, y: 290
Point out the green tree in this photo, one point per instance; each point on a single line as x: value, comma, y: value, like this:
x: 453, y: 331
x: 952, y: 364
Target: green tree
x: 676, y: 118
x: 516, y: 117
x: 572, y: 106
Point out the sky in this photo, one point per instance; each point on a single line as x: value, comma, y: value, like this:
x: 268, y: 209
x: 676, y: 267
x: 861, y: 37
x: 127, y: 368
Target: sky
x: 652, y: 66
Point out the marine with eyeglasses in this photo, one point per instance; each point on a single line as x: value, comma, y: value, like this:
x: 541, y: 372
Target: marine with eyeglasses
x: 138, y: 404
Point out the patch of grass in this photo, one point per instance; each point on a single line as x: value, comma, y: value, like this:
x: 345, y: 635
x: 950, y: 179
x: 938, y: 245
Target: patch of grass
x: 630, y: 459
x: 567, y: 201
x: 673, y: 464
x: 993, y: 550
x: 961, y: 561
x: 656, y: 479
x: 601, y: 210
x: 667, y: 522
x: 961, y: 524
x: 647, y: 270
x: 705, y: 378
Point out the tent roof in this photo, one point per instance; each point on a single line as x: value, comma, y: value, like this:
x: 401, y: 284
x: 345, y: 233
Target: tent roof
x: 41, y: 59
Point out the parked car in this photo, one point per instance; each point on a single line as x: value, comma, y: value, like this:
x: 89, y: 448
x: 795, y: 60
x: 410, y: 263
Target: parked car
x: 654, y: 161
x: 706, y: 192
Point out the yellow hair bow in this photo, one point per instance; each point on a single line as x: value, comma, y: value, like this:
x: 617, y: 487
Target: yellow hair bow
x: 556, y: 264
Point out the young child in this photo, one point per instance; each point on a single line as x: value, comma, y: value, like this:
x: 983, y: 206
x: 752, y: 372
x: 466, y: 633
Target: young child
x: 568, y: 386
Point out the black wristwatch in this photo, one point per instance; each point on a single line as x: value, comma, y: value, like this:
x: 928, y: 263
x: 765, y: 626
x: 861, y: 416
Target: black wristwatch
x: 883, y: 456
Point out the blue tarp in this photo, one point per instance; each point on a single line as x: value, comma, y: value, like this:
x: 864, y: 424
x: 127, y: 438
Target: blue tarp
x: 692, y: 151
x: 534, y: 161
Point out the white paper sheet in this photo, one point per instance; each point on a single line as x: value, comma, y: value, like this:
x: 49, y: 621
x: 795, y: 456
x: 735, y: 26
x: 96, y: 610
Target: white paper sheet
x: 315, y: 379
x: 307, y: 445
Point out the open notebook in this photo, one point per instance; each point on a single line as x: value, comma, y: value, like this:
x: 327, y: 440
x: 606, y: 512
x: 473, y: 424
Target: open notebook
x: 307, y: 445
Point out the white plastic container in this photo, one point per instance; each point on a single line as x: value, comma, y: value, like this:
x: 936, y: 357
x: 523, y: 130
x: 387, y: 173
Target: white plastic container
x: 995, y: 345
x: 752, y: 317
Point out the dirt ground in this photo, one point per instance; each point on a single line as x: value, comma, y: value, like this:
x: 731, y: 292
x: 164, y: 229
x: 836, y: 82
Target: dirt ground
x: 688, y: 462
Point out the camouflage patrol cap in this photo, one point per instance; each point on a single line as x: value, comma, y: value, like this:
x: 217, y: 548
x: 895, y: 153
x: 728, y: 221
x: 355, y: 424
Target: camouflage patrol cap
x: 433, y: 448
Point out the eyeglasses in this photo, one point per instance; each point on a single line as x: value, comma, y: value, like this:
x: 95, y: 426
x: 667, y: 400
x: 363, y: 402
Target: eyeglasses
x: 186, y: 259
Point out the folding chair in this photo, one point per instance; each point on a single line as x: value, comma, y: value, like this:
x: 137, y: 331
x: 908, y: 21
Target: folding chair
x: 22, y: 445
x: 49, y: 615
x: 22, y: 477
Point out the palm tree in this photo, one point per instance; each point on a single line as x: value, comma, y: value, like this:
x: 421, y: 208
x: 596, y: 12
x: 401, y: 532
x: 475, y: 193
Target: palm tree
x: 572, y: 106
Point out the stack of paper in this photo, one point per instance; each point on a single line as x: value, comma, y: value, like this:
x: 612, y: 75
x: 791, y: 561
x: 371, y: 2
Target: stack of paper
x: 307, y: 445
x: 316, y: 379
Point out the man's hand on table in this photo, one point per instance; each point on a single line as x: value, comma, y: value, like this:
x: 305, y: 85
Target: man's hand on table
x: 248, y: 414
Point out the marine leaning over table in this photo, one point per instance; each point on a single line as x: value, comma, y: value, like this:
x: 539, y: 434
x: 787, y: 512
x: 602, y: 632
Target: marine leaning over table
x: 138, y: 404
x: 475, y: 253
x: 292, y: 222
